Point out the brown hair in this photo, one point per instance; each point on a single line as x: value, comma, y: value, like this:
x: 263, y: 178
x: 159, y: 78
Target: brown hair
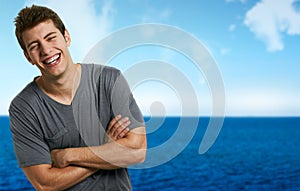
x: 29, y: 17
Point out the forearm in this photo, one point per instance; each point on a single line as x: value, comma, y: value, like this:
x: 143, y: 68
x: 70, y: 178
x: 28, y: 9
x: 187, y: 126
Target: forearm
x: 46, y: 177
x: 123, y: 152
x: 108, y: 156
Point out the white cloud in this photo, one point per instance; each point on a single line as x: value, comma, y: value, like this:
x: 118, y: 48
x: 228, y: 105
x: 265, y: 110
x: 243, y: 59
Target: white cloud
x: 153, y: 15
x: 85, y: 25
x: 225, y: 51
x: 157, y: 99
x: 230, y: 1
x: 265, y: 102
x: 165, y: 14
x: 232, y: 27
x: 269, y: 19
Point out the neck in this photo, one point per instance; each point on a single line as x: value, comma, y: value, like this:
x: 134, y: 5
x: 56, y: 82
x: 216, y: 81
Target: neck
x: 62, y: 89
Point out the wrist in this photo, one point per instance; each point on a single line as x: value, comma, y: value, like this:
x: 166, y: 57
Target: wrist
x: 74, y: 155
x: 69, y: 156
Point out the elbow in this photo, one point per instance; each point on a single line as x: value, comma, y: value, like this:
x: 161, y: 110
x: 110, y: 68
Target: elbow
x: 140, y: 152
x: 140, y: 156
x: 137, y: 154
x: 143, y: 157
x: 40, y: 177
x: 43, y: 187
x: 137, y: 142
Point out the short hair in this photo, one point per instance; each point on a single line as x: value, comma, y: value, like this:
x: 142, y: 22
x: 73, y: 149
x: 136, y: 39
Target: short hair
x: 29, y: 17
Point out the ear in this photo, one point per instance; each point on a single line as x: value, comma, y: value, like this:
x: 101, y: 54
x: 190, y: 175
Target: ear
x: 67, y: 37
x: 27, y: 57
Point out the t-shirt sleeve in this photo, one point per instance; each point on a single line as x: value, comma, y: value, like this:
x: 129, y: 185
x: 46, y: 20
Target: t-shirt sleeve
x: 122, y: 100
x: 29, y: 146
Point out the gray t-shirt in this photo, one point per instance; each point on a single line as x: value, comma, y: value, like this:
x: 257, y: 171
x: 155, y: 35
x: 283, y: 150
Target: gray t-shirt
x: 39, y: 124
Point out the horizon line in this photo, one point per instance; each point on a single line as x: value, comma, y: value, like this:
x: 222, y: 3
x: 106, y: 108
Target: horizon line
x: 207, y: 116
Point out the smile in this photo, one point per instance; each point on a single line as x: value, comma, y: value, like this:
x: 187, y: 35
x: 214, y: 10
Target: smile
x: 53, y: 60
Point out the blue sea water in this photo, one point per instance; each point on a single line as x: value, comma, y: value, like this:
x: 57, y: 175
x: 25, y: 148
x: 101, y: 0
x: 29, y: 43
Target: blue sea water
x: 249, y: 154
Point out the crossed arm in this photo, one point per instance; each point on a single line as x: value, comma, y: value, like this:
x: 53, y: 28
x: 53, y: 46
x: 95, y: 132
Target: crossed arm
x: 72, y: 165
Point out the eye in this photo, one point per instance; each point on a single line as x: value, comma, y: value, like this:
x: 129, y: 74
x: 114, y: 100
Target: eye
x: 33, y: 46
x: 51, y: 38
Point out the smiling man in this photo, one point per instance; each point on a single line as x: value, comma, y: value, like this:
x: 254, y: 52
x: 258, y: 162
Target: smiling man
x: 60, y: 120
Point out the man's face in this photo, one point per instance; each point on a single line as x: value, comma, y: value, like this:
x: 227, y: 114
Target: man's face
x: 47, y: 48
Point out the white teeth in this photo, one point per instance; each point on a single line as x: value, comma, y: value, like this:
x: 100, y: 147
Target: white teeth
x: 53, y: 59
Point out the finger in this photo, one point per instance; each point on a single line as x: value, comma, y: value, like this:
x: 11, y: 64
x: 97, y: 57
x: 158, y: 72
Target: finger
x: 115, y: 129
x: 118, y: 127
x: 126, y: 124
x: 123, y: 133
x: 123, y: 121
x: 113, y: 122
x: 122, y: 130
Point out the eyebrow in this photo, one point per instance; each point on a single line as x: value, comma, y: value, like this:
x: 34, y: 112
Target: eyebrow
x: 49, y: 34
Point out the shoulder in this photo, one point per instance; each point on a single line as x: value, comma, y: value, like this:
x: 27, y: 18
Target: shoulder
x: 26, y: 98
x: 22, y: 109
x: 101, y: 71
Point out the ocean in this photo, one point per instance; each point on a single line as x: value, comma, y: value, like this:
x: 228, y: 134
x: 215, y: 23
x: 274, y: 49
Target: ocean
x: 254, y: 153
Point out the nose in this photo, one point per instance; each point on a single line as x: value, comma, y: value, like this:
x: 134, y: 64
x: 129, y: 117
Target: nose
x: 45, y: 49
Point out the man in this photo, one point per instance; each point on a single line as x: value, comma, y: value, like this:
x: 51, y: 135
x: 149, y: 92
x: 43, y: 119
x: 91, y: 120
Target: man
x: 58, y: 121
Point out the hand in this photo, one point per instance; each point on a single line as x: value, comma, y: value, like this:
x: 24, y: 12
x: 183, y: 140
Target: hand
x: 58, y: 157
x: 117, y: 128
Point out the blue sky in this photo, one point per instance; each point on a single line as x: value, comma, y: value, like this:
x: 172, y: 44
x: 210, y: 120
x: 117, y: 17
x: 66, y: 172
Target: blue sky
x: 255, y: 44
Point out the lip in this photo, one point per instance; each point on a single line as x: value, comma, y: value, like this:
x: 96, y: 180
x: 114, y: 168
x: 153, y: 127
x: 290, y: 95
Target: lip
x: 52, y: 60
